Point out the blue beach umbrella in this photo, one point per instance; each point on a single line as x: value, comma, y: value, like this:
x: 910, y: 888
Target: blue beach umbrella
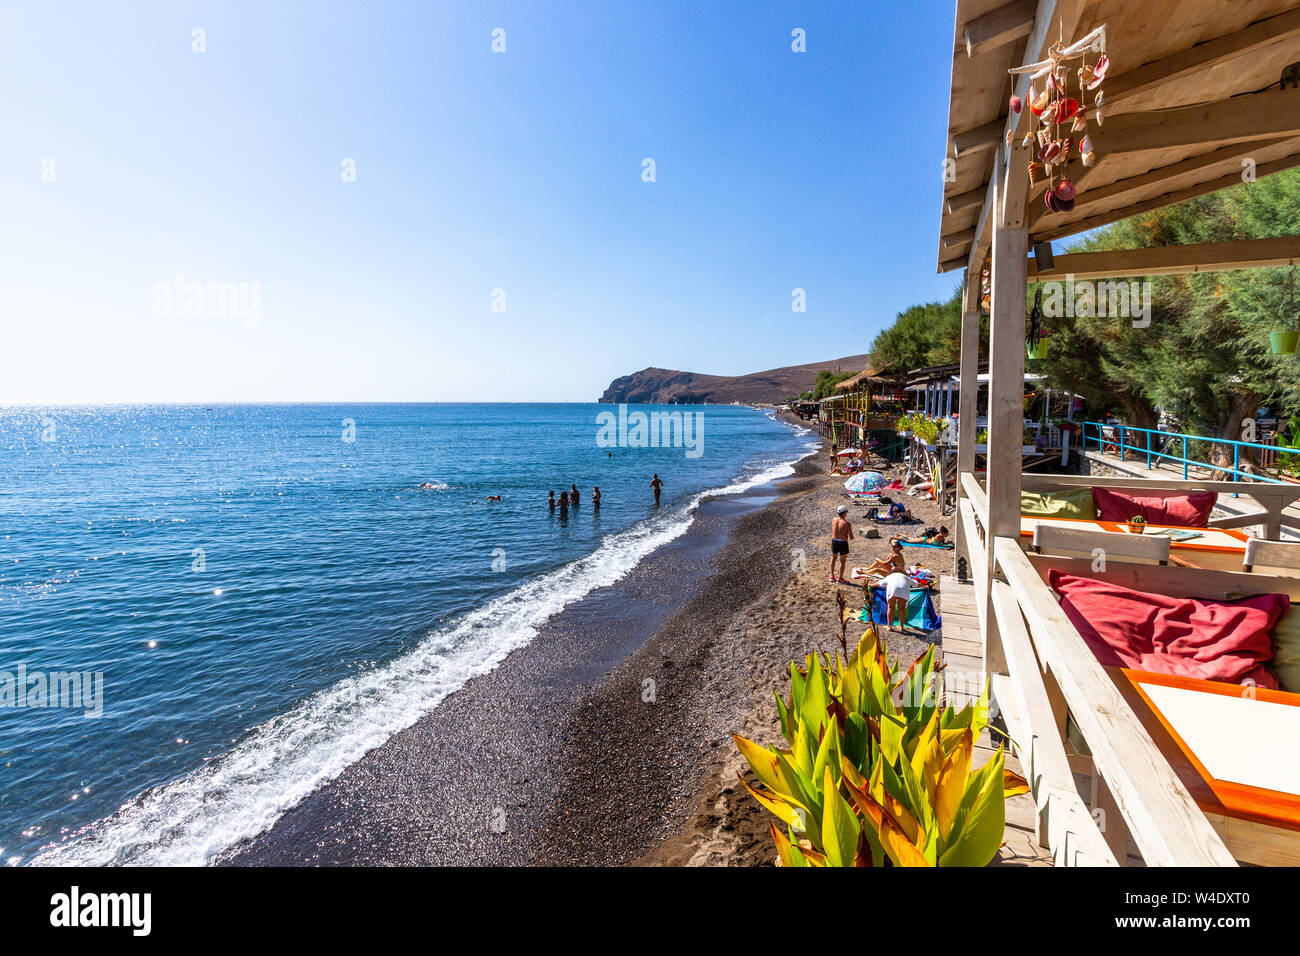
x: 864, y: 481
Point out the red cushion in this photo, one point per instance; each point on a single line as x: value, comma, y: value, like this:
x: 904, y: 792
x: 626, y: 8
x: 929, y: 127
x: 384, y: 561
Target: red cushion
x: 1189, y: 637
x: 1190, y: 511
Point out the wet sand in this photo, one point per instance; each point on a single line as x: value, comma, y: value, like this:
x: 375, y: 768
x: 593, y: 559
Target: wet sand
x: 607, y: 739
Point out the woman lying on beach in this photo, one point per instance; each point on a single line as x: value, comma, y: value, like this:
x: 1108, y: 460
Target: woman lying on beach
x: 887, y: 565
x: 940, y: 538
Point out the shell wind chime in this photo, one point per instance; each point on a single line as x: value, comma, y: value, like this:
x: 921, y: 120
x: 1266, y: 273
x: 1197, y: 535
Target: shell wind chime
x: 1061, y: 108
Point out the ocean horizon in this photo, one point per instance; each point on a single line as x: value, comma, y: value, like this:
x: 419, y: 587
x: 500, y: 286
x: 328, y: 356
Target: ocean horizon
x: 256, y: 595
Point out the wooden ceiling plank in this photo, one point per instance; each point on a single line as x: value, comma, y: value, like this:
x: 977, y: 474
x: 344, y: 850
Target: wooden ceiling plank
x: 1091, y: 196
x: 999, y: 27
x: 1172, y: 260
x: 1237, y: 119
x: 1181, y: 65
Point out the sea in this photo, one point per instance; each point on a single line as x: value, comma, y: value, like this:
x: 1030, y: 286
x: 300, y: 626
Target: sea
x: 206, y: 612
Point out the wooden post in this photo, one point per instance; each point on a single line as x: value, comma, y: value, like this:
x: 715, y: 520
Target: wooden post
x: 968, y: 398
x: 1006, y: 400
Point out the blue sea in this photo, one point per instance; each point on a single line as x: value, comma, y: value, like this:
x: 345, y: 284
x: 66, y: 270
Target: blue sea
x: 267, y: 593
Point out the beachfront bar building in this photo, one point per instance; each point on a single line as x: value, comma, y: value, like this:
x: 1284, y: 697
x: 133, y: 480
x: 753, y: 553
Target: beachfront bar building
x: 1127, y: 765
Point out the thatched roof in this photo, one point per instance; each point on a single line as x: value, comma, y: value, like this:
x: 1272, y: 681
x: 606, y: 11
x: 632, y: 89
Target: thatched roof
x: 864, y: 378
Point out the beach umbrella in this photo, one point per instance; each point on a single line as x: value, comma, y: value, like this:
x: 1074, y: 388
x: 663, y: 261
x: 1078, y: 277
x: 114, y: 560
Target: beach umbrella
x: 865, y: 481
x: 847, y: 452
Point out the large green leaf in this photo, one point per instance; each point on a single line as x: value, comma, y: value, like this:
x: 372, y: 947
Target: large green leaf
x: 839, y: 826
x: 978, y: 834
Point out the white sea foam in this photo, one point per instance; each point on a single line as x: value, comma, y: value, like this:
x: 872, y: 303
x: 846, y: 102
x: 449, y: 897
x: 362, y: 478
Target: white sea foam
x: 242, y: 792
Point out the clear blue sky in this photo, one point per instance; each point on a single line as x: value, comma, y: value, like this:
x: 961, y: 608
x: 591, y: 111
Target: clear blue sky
x: 475, y: 171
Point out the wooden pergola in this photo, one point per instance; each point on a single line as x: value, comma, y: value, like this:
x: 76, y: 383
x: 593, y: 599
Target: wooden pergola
x: 1199, y: 98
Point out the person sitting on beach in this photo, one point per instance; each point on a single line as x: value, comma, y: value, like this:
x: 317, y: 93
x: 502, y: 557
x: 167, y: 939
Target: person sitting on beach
x: 657, y: 485
x: 898, y: 589
x: 595, y: 496
x: 573, y: 494
x: 841, y: 535
x: 939, y: 537
x: 887, y: 565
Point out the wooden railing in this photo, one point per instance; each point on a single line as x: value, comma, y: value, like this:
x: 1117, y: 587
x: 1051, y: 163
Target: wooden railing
x: 1271, y: 498
x: 1049, y: 672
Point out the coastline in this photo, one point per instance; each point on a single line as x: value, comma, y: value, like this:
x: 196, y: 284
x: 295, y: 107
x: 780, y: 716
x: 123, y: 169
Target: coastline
x: 607, y: 739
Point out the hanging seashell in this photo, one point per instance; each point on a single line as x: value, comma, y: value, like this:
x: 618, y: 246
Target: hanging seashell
x: 1085, y: 145
x: 1038, y: 101
x: 1015, y: 104
x: 1044, y: 136
x: 1085, y: 75
x: 1033, y: 173
x: 1048, y: 151
x: 1064, y: 205
x: 1065, y: 190
x: 1029, y: 138
x: 1099, y: 71
x: 1080, y: 121
x: 1066, y: 109
x: 1097, y: 116
x: 1088, y: 157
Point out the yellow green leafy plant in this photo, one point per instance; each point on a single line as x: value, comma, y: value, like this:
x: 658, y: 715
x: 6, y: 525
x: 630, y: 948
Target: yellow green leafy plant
x: 877, y: 770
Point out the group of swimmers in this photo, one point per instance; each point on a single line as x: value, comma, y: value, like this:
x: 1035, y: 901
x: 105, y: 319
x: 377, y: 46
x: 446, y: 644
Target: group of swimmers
x: 572, y: 497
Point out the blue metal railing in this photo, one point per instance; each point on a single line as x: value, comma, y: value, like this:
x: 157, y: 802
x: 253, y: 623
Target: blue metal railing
x: 1109, y: 437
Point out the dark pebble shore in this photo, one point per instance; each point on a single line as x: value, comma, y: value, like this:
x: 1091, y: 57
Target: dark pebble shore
x: 588, y: 745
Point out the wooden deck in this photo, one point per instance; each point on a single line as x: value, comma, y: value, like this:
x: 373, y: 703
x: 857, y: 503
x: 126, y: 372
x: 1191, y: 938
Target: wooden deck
x: 960, y: 650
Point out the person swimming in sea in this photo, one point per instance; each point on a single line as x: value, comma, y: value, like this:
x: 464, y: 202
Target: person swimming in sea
x: 492, y: 498
x: 428, y: 486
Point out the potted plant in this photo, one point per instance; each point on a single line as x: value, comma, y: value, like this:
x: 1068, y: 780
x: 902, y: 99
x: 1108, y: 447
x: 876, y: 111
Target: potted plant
x: 1285, y: 342
x: 982, y: 441
x: 904, y: 426
x: 1037, y: 348
x: 1028, y: 441
x: 1137, y: 524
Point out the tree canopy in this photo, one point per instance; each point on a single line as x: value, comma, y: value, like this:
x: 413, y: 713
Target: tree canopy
x: 1201, y: 352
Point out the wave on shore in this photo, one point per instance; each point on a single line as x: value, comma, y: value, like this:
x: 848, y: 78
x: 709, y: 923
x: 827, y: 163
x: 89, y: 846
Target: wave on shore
x: 240, y: 793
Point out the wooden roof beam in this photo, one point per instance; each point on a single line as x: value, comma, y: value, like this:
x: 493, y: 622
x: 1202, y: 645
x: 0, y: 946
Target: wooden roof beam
x: 978, y: 139
x: 999, y: 27
x: 1090, y: 196
x: 964, y: 200
x: 963, y: 238
x: 1172, y: 260
x: 1178, y: 66
x: 1167, y: 199
x: 1272, y: 113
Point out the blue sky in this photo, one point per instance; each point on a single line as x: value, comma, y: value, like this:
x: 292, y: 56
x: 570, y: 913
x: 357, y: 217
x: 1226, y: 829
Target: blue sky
x: 475, y: 171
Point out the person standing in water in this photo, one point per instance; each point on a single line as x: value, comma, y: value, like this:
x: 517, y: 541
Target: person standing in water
x: 595, y: 496
x: 573, y: 495
x: 657, y: 485
x: 550, y: 503
x: 564, y: 502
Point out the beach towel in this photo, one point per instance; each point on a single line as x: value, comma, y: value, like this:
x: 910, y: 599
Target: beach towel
x: 920, y: 609
x: 918, y: 544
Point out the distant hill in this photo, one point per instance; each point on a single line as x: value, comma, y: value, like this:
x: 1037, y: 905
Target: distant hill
x: 663, y: 386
